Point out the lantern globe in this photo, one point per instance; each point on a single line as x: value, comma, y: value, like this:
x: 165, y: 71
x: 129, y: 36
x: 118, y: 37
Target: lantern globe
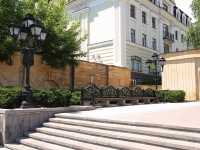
x: 28, y: 20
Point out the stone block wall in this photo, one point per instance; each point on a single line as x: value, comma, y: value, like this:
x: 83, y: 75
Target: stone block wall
x: 43, y: 76
x: 15, y: 122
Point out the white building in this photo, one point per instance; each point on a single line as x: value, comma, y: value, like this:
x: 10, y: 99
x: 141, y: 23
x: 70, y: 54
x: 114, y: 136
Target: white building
x: 127, y: 32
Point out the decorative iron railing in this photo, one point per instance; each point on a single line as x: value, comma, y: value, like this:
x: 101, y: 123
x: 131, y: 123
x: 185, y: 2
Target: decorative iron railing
x: 168, y: 36
x: 91, y: 92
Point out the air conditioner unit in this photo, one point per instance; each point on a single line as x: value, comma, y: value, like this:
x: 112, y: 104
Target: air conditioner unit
x: 133, y: 82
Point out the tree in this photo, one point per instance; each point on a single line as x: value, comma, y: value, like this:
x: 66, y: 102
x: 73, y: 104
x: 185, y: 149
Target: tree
x: 63, y: 41
x: 192, y: 38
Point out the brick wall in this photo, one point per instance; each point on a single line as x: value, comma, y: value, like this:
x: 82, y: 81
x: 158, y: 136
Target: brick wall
x: 42, y: 76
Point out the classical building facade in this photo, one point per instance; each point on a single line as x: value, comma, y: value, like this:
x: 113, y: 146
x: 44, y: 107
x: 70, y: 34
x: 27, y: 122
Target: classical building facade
x: 127, y: 32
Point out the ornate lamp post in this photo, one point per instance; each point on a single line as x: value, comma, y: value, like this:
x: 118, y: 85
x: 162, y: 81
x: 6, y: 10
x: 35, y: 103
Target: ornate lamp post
x: 29, y: 35
x: 154, y: 65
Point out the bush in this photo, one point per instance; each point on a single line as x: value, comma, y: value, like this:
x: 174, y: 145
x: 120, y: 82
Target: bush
x: 10, y: 98
x: 152, y: 81
x: 148, y: 82
x: 51, y: 97
x: 173, y: 95
x: 75, y: 98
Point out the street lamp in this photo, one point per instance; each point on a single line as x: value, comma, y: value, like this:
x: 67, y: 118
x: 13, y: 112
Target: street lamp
x: 154, y: 64
x: 28, y: 34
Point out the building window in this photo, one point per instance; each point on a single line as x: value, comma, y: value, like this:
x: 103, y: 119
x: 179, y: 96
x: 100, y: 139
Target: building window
x: 165, y: 29
x: 143, y: 17
x: 166, y: 48
x: 133, y: 36
x: 165, y: 7
x: 132, y: 11
x: 176, y: 35
x: 144, y: 41
x: 136, y: 63
x: 182, y: 38
x: 153, y: 23
x: 177, y: 49
x: 154, y: 44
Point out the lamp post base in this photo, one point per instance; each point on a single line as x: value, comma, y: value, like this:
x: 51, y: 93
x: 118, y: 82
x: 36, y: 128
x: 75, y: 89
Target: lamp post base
x: 25, y: 105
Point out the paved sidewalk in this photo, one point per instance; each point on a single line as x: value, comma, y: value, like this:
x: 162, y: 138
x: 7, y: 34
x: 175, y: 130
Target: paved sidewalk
x: 185, y: 114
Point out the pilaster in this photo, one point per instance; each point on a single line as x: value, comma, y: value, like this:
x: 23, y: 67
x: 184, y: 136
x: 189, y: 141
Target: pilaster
x: 173, y: 44
x: 84, y: 26
x: 161, y: 44
x: 119, y: 41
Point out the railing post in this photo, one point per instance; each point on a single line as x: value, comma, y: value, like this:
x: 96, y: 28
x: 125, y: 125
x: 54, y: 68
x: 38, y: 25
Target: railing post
x: 93, y: 98
x: 143, y: 92
x: 82, y: 94
x: 154, y: 93
x: 117, y: 92
x: 131, y: 90
x: 101, y: 92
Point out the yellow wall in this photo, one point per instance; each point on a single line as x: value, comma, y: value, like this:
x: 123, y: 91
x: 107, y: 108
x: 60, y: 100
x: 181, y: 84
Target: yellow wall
x: 42, y: 76
x: 182, y: 72
x: 148, y: 86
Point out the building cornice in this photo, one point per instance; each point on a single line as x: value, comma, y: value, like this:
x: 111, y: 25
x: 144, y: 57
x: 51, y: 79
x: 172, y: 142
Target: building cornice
x: 82, y: 11
x: 113, y: 1
x: 101, y: 44
x: 142, y: 47
x: 161, y: 11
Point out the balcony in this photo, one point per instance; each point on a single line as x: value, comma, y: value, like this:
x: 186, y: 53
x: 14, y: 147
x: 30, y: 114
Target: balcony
x: 168, y: 36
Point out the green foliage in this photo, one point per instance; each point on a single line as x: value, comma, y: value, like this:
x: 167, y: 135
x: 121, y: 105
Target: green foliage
x: 63, y: 41
x: 148, y: 82
x: 51, y: 97
x: 173, y: 95
x: 192, y: 39
x: 75, y: 98
x: 10, y: 98
x: 152, y: 81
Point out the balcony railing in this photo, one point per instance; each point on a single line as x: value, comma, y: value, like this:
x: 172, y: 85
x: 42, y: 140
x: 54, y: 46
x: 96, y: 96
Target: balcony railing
x: 168, y: 36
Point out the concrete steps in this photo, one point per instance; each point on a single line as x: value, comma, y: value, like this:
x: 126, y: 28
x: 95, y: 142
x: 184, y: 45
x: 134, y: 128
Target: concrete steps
x: 67, y: 131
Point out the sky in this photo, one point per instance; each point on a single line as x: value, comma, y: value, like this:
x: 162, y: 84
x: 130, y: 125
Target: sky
x: 184, y: 6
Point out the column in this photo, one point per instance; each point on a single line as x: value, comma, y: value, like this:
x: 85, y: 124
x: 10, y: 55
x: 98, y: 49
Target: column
x: 149, y: 30
x: 139, y: 25
x: 161, y: 44
x: 84, y: 27
x: 179, y: 39
x: 119, y: 40
x: 173, y: 44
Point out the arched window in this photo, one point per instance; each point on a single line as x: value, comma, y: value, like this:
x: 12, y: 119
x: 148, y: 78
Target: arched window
x: 136, y: 63
x: 184, y: 19
x: 178, y: 14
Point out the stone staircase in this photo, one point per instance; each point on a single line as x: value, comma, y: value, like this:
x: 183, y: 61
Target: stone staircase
x: 67, y: 131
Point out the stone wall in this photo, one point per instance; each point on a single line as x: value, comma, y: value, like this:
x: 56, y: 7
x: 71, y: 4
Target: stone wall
x: 15, y: 122
x: 42, y: 76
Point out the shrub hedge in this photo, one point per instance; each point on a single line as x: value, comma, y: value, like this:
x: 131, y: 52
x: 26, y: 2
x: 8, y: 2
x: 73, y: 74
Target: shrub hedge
x: 11, y: 97
x: 173, y: 95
